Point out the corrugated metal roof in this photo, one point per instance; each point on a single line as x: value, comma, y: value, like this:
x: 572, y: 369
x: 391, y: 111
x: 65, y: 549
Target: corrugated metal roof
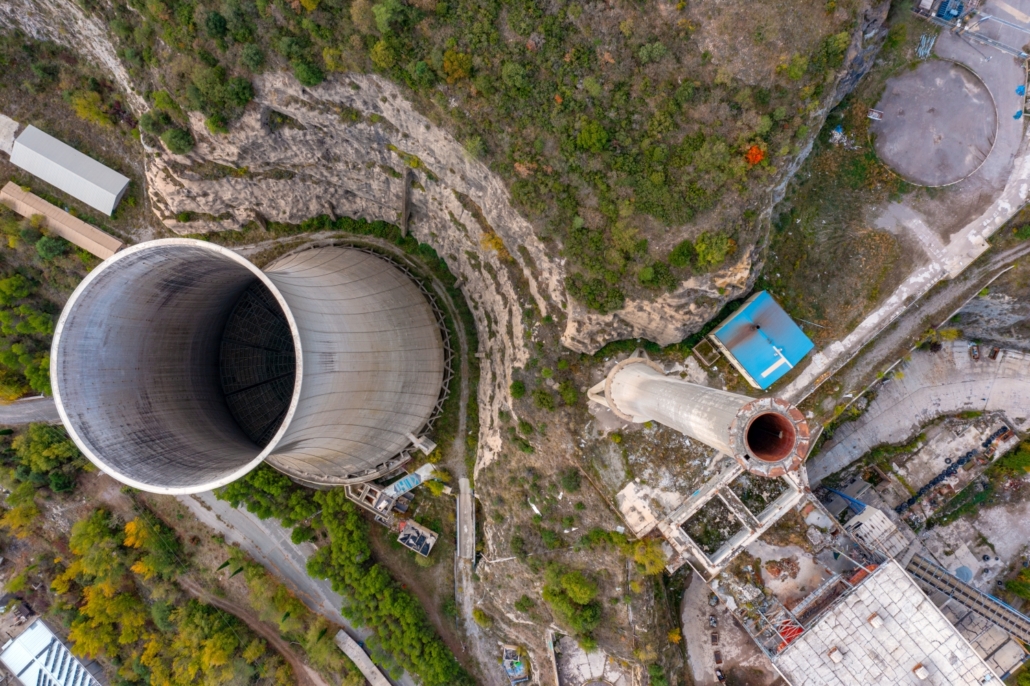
x: 64, y: 167
x: 762, y: 341
x: 59, y: 222
x: 38, y: 658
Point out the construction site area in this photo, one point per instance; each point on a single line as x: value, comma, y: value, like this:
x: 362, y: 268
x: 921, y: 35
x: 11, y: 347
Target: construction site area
x: 403, y: 373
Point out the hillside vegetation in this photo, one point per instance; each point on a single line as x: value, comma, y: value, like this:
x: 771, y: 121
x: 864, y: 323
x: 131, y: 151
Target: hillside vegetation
x: 610, y: 122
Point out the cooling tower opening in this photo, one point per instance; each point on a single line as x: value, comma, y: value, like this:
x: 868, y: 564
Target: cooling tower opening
x: 174, y: 366
x: 770, y: 437
x: 178, y: 366
x: 258, y: 365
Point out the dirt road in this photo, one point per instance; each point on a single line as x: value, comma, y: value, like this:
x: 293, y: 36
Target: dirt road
x: 933, y: 309
x: 304, y: 675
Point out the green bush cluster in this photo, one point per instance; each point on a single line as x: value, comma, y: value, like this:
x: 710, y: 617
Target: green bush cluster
x: 375, y: 600
x: 618, y: 125
x: 27, y: 314
x: 572, y: 597
x: 117, y: 603
x: 43, y: 455
x: 269, y: 493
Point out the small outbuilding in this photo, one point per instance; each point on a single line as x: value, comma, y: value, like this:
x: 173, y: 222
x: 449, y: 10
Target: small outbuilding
x: 761, y: 340
x: 416, y: 537
x: 64, y: 167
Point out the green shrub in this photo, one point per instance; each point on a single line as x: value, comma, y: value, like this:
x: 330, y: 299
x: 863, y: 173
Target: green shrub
x: 217, y: 123
x: 518, y: 389
x: 215, y: 25
x: 568, y: 392
x: 713, y: 248
x: 652, y: 52
x: 482, y: 619
x: 383, y: 55
x: 797, y: 68
x: 592, y: 137
x: 543, y: 399
x: 385, y: 13
x: 596, y: 293
x: 896, y: 36
x: 524, y: 604
x: 155, y: 123
x: 252, y: 57
x: 683, y: 254
x: 514, y: 77
x: 572, y: 598
x: 551, y: 539
x: 308, y: 74
x: 571, y: 480
x: 50, y: 248
x: 178, y: 141
x: 657, y: 675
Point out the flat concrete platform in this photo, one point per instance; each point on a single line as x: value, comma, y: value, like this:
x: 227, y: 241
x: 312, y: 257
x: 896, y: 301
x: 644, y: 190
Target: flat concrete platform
x: 939, y: 124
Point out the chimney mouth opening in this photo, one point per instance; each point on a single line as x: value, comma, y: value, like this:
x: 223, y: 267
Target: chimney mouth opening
x: 770, y: 437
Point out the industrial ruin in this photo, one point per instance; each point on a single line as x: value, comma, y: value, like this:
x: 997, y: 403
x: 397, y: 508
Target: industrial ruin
x: 329, y: 364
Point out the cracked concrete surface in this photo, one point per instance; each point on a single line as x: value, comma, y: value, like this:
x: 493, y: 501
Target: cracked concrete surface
x: 933, y: 384
x: 1004, y: 179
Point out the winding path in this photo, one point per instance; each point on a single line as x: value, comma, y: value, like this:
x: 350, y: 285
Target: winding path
x: 304, y: 675
x: 1007, y: 168
x: 931, y: 385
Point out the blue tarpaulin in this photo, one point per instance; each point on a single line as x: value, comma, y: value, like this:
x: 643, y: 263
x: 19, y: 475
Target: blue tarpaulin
x: 762, y: 341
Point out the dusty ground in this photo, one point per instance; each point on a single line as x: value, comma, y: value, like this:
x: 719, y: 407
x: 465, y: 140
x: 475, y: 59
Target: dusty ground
x: 743, y: 662
x: 945, y: 230
x: 1000, y: 314
x: 929, y: 385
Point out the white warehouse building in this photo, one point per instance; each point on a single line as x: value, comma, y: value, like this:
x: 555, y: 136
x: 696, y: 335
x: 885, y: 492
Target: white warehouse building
x: 64, y: 167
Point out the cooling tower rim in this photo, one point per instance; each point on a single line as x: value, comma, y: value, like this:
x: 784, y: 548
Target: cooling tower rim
x: 84, y: 286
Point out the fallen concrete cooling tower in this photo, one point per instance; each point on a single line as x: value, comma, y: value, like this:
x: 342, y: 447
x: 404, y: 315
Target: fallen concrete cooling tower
x: 178, y: 366
x: 767, y: 436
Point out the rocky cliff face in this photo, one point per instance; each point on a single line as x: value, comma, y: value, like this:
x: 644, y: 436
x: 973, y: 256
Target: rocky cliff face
x: 355, y: 134
x: 64, y: 22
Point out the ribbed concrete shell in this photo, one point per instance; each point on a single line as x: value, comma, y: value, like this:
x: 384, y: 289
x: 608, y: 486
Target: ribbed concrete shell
x: 767, y: 436
x: 135, y: 365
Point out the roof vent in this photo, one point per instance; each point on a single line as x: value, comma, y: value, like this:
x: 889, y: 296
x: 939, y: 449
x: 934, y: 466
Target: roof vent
x: 836, y: 655
x: 876, y: 620
x: 921, y: 672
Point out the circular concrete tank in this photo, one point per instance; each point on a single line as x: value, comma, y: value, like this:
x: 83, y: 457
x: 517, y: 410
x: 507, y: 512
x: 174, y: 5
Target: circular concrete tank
x: 939, y: 123
x: 178, y: 366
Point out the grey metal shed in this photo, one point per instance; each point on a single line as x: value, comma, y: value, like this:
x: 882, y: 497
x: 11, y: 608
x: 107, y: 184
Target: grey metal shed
x: 64, y: 167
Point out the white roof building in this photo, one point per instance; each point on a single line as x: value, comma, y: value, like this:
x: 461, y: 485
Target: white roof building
x: 885, y: 632
x: 66, y: 168
x: 38, y: 658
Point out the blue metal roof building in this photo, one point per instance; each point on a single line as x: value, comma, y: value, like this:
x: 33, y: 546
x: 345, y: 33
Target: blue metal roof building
x: 761, y: 340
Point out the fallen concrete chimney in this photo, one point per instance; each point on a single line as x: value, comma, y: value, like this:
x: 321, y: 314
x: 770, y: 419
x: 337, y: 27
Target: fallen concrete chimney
x: 767, y: 436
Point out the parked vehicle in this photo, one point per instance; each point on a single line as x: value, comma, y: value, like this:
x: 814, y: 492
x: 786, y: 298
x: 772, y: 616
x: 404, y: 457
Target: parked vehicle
x: 718, y: 657
x: 715, y: 638
x: 719, y: 675
x: 974, y: 351
x: 994, y: 353
x: 713, y: 599
x: 713, y: 621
